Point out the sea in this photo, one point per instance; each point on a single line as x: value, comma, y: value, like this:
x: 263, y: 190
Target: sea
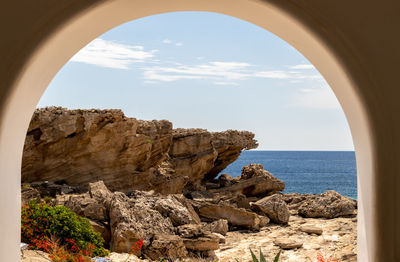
x: 311, y: 172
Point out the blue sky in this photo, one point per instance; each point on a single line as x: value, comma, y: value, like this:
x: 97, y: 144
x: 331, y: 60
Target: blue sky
x: 206, y: 70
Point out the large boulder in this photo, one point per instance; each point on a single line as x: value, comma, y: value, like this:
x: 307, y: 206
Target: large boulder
x: 206, y: 242
x: 135, y: 219
x: 86, y: 206
x: 274, y: 207
x: 178, y: 213
x: 153, y: 218
x: 235, y: 216
x: 254, y: 181
x: 170, y: 246
x: 100, y: 192
x: 327, y: 205
x: 94, y: 204
x: 194, y: 217
x: 197, y: 238
x: 83, y: 146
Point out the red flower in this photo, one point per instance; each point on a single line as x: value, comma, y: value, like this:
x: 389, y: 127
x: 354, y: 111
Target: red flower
x: 137, y: 247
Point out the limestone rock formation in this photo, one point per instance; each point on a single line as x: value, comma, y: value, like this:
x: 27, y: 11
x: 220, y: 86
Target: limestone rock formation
x: 83, y: 146
x: 161, y: 185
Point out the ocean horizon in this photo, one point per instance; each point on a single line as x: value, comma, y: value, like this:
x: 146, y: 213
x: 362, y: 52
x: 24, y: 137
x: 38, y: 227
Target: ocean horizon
x: 312, y: 172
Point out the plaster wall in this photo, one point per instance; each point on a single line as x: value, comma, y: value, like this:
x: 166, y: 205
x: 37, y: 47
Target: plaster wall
x: 354, y: 44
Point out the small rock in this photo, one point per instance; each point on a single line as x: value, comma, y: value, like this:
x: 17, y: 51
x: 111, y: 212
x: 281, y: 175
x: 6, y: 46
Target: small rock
x: 24, y: 246
x: 288, y: 243
x: 311, y: 230
x: 123, y: 257
x: 222, y: 239
x: 254, y: 181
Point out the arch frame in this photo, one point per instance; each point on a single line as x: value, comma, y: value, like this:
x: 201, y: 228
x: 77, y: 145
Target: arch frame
x: 55, y: 44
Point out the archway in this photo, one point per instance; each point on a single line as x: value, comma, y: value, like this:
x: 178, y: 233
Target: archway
x: 87, y: 23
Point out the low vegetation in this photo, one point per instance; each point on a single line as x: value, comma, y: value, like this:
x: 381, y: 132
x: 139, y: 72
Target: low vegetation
x: 60, y: 232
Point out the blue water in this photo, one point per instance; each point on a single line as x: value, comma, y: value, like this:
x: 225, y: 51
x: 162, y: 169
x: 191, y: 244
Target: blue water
x: 305, y: 171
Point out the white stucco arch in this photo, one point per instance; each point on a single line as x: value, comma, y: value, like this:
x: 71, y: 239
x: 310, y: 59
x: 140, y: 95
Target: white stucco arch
x: 300, y: 25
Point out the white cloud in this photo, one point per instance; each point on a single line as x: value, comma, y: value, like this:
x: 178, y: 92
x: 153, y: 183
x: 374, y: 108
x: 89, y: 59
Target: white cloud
x: 321, y: 98
x: 273, y: 74
x: 220, y: 73
x: 302, y: 66
x: 154, y: 75
x: 168, y: 41
x: 216, y: 71
x: 110, y: 54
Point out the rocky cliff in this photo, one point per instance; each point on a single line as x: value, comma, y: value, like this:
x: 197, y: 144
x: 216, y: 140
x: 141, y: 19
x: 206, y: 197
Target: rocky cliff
x: 69, y: 153
x: 83, y: 146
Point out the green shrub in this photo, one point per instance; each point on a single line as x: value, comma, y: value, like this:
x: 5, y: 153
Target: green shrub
x: 39, y: 222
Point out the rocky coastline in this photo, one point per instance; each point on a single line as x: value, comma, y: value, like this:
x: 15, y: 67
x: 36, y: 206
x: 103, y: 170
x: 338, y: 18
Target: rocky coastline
x: 137, y: 179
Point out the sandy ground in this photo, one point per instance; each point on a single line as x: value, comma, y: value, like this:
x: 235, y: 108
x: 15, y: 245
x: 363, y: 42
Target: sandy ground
x: 338, y: 240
